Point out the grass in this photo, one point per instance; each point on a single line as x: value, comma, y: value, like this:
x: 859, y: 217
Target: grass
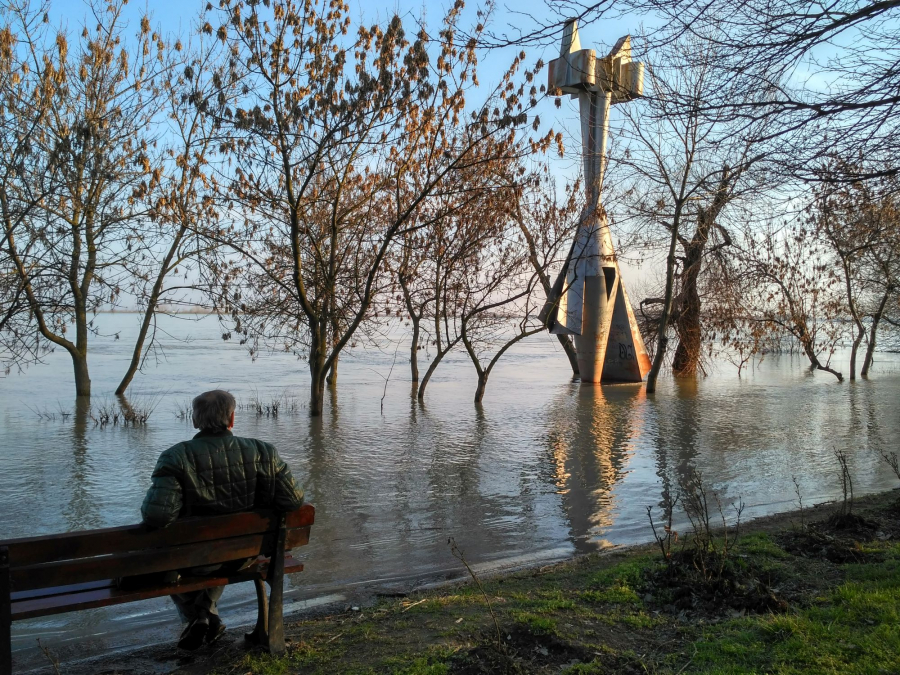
x: 603, y: 614
x: 855, y: 629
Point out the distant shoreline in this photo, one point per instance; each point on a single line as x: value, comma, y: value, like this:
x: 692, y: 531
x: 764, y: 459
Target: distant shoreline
x: 190, y: 310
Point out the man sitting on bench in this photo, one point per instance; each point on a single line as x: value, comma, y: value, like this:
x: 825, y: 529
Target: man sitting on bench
x: 215, y: 473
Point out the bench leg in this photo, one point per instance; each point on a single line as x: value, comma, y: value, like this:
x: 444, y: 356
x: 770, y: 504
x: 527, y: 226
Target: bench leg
x: 5, y: 614
x: 260, y: 634
x: 275, y: 642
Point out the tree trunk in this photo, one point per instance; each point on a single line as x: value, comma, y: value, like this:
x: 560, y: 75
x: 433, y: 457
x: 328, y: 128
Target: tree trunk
x: 152, y: 303
x: 317, y: 372
x: 808, y: 346
x: 331, y: 379
x: 873, y: 333
x: 687, y: 325
x: 860, y: 334
x: 427, y: 377
x: 482, y: 384
x: 414, y: 350
x: 82, y: 377
x: 317, y: 391
x: 564, y: 340
x: 438, y: 357
x: 662, y: 339
x: 138, y: 350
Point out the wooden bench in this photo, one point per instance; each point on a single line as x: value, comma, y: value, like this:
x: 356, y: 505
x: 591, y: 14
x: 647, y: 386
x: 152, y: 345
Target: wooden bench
x: 60, y: 573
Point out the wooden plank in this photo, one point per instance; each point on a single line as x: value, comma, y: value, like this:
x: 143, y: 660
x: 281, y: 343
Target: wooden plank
x: 296, y: 537
x: 109, y: 541
x: 69, y: 572
x: 112, y: 540
x: 111, y: 595
x: 302, y: 517
x: 5, y: 614
x: 62, y: 590
x: 140, y: 562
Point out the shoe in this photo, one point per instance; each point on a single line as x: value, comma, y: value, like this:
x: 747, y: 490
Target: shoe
x: 192, y: 636
x: 253, y: 638
x: 215, y: 631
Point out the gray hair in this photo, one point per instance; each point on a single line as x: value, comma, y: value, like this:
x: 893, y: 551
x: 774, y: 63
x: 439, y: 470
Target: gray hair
x: 212, y: 410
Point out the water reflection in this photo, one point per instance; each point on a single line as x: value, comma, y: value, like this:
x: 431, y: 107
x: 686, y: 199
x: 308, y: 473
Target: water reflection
x: 82, y: 510
x: 592, y: 435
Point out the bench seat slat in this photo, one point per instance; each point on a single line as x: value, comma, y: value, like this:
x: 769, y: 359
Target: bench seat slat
x: 58, y: 590
x: 109, y: 594
x: 138, y: 562
x: 112, y: 540
x: 68, y: 572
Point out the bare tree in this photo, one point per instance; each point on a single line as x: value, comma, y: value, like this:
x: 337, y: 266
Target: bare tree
x: 849, y: 106
x: 679, y: 170
x: 195, y: 90
x: 858, y: 222
x: 92, y: 111
x: 456, y: 243
x: 335, y: 147
x: 794, y: 290
x: 20, y: 123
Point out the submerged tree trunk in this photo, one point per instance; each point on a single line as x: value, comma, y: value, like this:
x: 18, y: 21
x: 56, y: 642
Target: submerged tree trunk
x: 137, y: 353
x: 80, y: 352
x: 860, y: 334
x: 317, y: 368
x: 150, y: 312
x: 873, y: 333
x: 438, y: 357
x: 854, y: 313
x: 484, y: 372
x: 688, y: 325
x: 482, y: 385
x: 82, y: 377
x: 662, y: 338
x: 331, y: 378
x: 416, y: 321
x: 414, y: 350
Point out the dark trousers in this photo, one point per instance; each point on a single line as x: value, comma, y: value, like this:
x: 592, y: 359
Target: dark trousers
x: 198, y: 604
x: 203, y: 603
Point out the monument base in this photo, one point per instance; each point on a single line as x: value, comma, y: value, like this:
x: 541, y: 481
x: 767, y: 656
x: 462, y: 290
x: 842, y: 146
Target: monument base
x: 610, y: 348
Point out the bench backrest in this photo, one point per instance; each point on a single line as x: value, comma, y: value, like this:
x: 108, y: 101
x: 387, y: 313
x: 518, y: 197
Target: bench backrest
x: 81, y: 557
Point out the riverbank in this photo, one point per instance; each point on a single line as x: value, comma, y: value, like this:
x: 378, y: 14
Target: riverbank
x: 802, y: 592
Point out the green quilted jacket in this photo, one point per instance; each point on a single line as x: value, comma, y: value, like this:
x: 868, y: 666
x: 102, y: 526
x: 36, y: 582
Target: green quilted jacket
x: 217, y: 472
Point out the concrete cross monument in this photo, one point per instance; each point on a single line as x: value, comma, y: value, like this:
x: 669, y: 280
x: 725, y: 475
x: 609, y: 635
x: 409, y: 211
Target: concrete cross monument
x: 588, y: 300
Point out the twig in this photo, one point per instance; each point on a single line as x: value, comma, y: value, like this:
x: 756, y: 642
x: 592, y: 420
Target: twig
x: 52, y: 659
x: 458, y: 554
x: 690, y: 660
x: 388, y: 378
x: 414, y: 604
x: 799, y: 498
x: 891, y: 460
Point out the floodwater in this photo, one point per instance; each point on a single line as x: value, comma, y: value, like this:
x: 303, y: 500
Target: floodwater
x: 543, y: 469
